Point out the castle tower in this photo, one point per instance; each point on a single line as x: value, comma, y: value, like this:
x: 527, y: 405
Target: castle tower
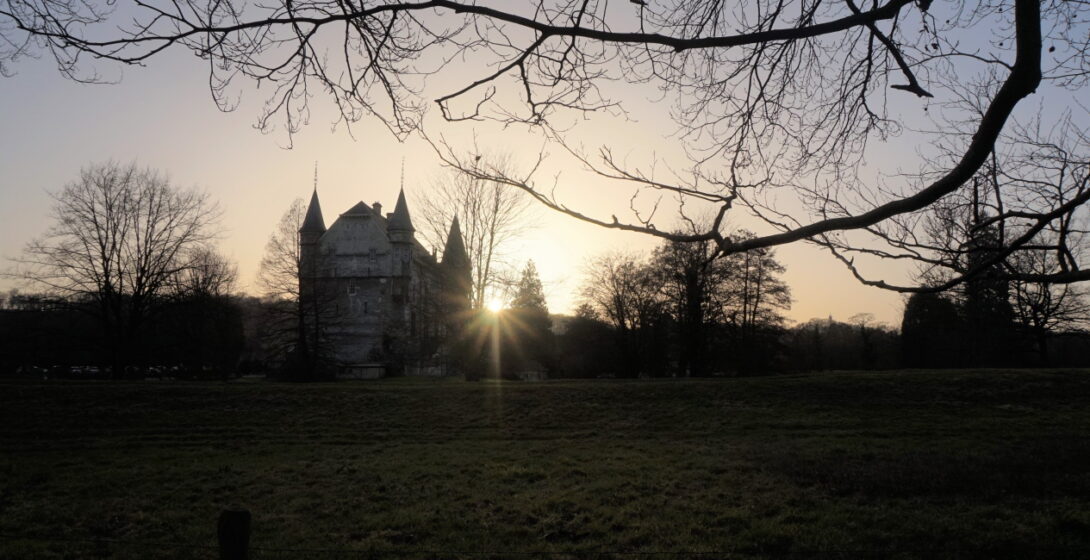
x: 309, y: 235
x: 456, y: 277
x: 457, y: 273
x: 400, y: 228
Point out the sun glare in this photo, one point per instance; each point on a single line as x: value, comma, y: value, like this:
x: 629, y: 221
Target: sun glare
x: 495, y: 305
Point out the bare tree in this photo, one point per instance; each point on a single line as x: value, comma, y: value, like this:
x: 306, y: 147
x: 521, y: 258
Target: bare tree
x: 759, y: 292
x: 725, y: 311
x: 776, y: 101
x: 206, y: 273
x: 754, y: 297
x: 121, y: 236
x: 628, y: 293
x: 299, y: 316
x: 491, y: 216
x: 1043, y: 309
x: 203, y: 327
x: 694, y: 283
x: 1027, y: 197
x: 278, y: 275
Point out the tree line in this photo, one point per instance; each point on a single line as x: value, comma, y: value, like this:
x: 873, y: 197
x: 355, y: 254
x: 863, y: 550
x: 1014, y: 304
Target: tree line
x: 127, y: 282
x: 127, y: 270
x: 687, y: 310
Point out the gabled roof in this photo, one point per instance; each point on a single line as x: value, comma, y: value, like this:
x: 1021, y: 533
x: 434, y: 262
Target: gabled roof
x: 400, y: 219
x: 313, y: 221
x: 360, y: 209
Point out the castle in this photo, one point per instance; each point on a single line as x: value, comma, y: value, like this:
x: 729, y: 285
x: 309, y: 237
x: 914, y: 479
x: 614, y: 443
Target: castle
x: 381, y: 302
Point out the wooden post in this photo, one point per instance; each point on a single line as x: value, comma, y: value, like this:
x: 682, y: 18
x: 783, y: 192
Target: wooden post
x: 234, y: 534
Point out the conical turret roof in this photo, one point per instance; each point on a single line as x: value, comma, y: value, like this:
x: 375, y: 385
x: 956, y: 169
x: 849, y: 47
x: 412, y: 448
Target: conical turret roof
x: 400, y: 219
x: 454, y: 254
x: 313, y: 221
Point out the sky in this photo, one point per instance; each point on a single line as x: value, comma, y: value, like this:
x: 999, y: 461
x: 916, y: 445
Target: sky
x: 162, y: 116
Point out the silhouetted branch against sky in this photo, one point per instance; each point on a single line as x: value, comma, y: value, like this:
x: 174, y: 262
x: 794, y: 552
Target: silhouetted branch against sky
x: 1031, y: 194
x: 121, y: 242
x: 777, y: 104
x: 280, y: 265
x: 491, y: 217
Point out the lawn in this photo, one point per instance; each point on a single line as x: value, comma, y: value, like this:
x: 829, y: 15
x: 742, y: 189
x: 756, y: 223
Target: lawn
x: 976, y: 464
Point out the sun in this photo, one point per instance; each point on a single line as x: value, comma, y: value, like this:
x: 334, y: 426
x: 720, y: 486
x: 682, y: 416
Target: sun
x: 495, y: 305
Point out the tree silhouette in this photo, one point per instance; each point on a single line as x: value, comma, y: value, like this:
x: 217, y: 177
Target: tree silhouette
x: 203, y: 325
x: 121, y: 237
x: 775, y: 103
x: 827, y: 344
x: 628, y: 293
x: 526, y: 320
x: 490, y: 214
x: 1004, y: 286
x: 986, y: 307
x: 695, y: 283
x: 1043, y: 309
x: 300, y: 317
x: 759, y: 296
x: 931, y: 332
x: 585, y: 345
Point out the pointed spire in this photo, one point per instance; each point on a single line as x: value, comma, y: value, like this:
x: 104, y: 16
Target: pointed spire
x: 454, y: 254
x: 457, y: 272
x: 314, y: 221
x: 400, y: 219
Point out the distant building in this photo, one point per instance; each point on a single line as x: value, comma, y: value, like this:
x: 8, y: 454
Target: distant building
x: 381, y: 301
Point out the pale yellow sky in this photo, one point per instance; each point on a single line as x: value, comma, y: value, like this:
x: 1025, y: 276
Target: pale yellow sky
x: 163, y: 117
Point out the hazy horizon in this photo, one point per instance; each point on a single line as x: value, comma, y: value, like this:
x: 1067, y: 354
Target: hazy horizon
x: 163, y: 117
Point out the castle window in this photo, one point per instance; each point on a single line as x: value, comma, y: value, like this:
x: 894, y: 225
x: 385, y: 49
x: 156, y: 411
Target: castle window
x: 351, y: 290
x: 365, y: 306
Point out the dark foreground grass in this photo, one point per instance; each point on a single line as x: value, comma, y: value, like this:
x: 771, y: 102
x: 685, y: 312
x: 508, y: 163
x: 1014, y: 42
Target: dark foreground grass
x: 980, y: 464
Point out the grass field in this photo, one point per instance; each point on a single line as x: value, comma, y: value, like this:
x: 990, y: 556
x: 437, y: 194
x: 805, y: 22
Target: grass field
x: 979, y: 464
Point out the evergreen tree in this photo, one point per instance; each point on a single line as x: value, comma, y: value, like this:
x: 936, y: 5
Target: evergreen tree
x: 527, y: 327
x: 986, y: 308
x: 529, y: 293
x: 930, y: 332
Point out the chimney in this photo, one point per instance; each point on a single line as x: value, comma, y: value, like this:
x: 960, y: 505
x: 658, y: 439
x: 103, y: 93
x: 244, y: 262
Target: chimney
x: 378, y: 208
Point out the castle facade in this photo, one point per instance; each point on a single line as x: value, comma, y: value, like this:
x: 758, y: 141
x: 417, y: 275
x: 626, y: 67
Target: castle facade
x: 379, y: 302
